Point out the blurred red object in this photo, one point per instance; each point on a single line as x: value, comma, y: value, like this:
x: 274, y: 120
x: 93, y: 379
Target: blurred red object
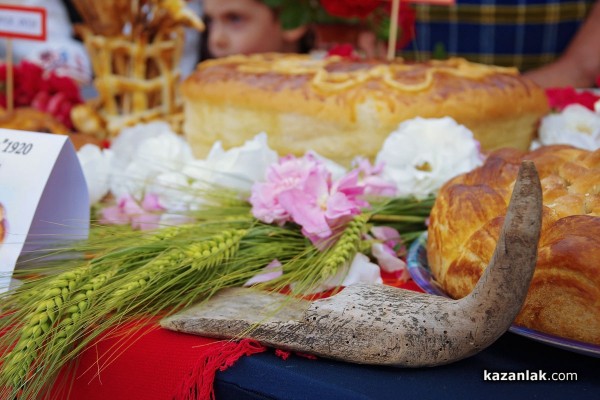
x: 48, y: 92
x: 559, y: 98
x: 350, y: 8
x: 406, y: 22
x: 344, y: 50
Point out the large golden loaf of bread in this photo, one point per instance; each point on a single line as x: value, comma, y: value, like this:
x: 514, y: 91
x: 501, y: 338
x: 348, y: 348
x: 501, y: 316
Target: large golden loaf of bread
x: 343, y: 108
x: 564, y: 296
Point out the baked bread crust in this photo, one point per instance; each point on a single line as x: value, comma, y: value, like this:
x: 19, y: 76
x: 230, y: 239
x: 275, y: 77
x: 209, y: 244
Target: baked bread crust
x: 34, y: 120
x: 342, y: 108
x: 564, y: 296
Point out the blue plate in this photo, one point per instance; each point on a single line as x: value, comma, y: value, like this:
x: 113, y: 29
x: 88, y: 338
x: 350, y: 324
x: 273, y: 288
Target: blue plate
x: 416, y: 260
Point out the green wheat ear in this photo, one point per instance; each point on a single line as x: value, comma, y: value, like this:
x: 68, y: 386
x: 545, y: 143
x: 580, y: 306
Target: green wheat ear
x: 343, y: 251
x: 197, y: 255
x: 19, y: 361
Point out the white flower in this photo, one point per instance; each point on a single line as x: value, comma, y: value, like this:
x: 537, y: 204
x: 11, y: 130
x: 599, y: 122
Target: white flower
x: 422, y: 154
x: 124, y: 145
x: 237, y: 168
x: 144, y: 152
x: 95, y: 164
x: 173, y: 190
x: 575, y: 125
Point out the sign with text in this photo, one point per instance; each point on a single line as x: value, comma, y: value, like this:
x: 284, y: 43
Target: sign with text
x: 21, y: 22
x: 43, y: 197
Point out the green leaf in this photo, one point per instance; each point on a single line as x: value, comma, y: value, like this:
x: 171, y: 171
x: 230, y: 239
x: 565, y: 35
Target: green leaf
x: 439, y: 51
x: 273, y: 3
x: 294, y: 14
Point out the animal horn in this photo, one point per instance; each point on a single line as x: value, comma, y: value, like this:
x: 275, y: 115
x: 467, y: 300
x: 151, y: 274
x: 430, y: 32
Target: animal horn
x: 376, y: 324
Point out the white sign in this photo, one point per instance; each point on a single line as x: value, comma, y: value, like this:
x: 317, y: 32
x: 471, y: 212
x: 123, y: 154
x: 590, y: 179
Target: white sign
x: 22, y: 22
x: 43, y: 196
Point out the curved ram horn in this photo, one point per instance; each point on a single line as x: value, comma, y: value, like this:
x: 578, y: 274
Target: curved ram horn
x: 376, y: 324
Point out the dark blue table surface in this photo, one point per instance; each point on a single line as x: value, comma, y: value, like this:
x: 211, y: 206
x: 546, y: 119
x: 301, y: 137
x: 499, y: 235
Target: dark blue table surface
x: 266, y: 376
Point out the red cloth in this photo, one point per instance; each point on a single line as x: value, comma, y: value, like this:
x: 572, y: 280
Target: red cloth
x: 151, y: 364
x: 217, y: 357
x: 154, y: 363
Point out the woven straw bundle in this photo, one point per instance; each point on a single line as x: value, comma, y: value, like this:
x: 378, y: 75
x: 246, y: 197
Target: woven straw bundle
x: 135, y: 49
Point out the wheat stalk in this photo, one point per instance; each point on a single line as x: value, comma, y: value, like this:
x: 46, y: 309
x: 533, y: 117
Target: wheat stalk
x: 17, y: 364
x: 344, y: 250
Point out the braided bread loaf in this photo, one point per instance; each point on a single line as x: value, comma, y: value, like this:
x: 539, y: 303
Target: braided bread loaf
x: 564, y: 296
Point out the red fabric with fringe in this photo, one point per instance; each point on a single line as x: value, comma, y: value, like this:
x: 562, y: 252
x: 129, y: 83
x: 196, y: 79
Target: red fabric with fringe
x: 217, y: 357
x: 152, y: 363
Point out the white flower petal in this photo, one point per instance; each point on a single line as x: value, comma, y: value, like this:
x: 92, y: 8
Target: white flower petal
x: 576, y: 125
x: 237, y: 168
x: 95, y: 164
x: 270, y: 272
x: 142, y: 153
x: 362, y: 270
x: 422, y: 154
x: 387, y: 261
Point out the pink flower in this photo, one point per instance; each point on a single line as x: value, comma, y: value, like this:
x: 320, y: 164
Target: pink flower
x: 386, y: 249
x: 370, y: 176
x: 301, y: 190
x: 127, y: 211
x: 270, y: 272
x: 321, y: 206
x: 288, y: 174
x: 119, y: 214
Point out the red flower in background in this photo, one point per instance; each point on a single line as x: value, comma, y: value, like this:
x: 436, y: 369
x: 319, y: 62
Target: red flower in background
x: 350, y: 8
x: 344, y: 50
x: 559, y: 98
x: 377, y: 13
x: 406, y: 23
x: 48, y: 92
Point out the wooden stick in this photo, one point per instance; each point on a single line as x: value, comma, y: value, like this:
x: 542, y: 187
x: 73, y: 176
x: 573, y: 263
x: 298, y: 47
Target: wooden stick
x: 391, y: 54
x: 9, y: 76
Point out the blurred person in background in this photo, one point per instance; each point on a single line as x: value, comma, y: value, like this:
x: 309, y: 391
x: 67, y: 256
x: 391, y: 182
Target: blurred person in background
x: 246, y: 27
x: 554, y: 42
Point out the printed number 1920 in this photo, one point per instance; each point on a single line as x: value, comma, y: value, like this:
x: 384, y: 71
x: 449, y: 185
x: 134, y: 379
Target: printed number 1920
x: 22, y: 148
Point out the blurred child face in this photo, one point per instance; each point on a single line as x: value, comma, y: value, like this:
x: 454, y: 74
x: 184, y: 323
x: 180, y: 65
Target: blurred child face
x: 242, y: 27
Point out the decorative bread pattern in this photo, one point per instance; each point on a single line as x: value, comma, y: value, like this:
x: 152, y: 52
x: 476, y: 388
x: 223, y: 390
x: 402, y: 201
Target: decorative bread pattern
x: 564, y: 296
x: 342, y: 108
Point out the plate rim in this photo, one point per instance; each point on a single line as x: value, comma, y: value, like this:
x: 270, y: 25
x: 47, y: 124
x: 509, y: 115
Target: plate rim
x: 423, y: 278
